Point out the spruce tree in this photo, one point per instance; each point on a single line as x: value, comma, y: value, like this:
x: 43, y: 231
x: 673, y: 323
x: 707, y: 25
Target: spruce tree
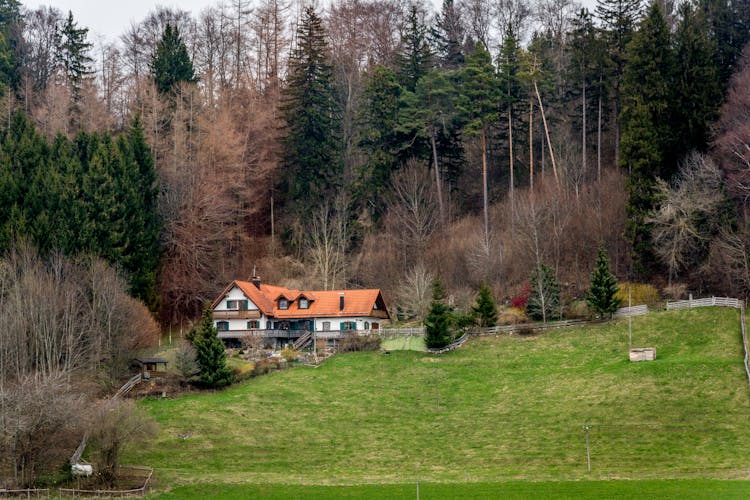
x: 312, y: 164
x: 170, y: 63
x: 601, y: 295
x: 449, y: 35
x: 438, y: 321
x: 484, y: 312
x: 11, y: 44
x: 415, y: 57
x: 544, y: 298
x: 210, y: 353
x: 73, y: 54
x: 647, y: 138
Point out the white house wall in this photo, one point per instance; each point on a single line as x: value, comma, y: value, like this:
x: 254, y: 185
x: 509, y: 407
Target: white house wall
x: 235, y: 294
x: 335, y: 322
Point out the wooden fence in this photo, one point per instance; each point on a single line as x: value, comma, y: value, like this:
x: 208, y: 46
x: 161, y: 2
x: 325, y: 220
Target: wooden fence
x: 26, y: 493
x: 625, y: 312
x: 146, y: 472
x: 706, y: 302
x: 452, y: 346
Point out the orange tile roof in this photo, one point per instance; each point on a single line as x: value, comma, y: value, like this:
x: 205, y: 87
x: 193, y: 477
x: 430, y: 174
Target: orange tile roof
x: 323, y: 303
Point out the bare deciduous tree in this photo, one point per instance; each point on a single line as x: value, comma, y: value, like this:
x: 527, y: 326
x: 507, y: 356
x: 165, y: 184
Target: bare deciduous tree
x: 327, y: 238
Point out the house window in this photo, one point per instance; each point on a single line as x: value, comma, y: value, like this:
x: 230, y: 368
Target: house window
x: 326, y: 326
x: 268, y: 325
x: 251, y: 325
x: 304, y: 304
x: 222, y: 326
x: 367, y: 325
x: 348, y: 325
x: 283, y: 304
x: 237, y: 305
x: 375, y: 326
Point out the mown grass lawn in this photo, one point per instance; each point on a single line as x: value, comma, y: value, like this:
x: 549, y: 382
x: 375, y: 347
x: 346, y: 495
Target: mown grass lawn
x: 497, y: 410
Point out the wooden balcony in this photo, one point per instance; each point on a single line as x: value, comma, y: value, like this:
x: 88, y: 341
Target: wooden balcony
x: 237, y: 314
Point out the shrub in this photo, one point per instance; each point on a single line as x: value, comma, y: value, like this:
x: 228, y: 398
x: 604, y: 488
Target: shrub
x: 640, y: 293
x: 512, y: 316
x: 354, y: 343
x: 289, y: 353
x: 522, y: 299
x: 484, y: 312
x: 578, y: 310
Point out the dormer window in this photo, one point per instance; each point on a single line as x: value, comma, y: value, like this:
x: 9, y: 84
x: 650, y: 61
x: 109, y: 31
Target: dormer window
x: 304, y: 303
x: 283, y: 304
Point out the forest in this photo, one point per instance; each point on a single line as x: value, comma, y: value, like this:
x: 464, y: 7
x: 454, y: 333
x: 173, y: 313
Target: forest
x: 383, y: 143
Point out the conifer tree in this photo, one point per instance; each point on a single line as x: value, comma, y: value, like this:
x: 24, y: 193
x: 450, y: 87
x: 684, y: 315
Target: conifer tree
x: 647, y: 139
x: 544, y: 298
x: 449, y: 36
x: 601, y: 295
x: 510, y: 93
x: 312, y: 164
x: 415, y: 57
x: 438, y: 321
x: 170, y: 63
x: 210, y: 353
x: 484, y: 312
x: 74, y: 54
x: 11, y: 44
x: 478, y: 105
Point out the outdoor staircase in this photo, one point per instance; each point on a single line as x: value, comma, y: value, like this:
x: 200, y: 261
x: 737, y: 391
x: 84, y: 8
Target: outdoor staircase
x: 303, y: 341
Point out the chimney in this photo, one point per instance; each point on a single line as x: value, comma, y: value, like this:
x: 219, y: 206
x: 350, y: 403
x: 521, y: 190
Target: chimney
x: 341, y: 301
x: 255, y: 279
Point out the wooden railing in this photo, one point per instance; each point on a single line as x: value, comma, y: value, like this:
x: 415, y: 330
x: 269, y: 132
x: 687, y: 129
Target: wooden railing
x: 625, y: 312
x: 237, y: 314
x: 706, y: 302
x: 452, y: 346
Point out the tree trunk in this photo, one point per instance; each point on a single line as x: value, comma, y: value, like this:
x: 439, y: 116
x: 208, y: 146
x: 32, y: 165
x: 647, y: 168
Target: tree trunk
x: 531, y: 144
x: 599, y: 136
x: 583, y: 133
x: 484, y: 183
x: 510, y: 146
x: 546, y: 132
x: 437, y: 175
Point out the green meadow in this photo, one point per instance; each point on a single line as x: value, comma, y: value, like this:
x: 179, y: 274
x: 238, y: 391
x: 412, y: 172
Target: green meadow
x: 502, y: 415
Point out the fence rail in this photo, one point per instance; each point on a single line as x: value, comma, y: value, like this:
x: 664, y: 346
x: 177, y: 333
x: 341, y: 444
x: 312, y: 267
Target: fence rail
x: 140, y: 491
x: 28, y: 493
x: 625, y: 312
x: 452, y: 346
x: 706, y: 302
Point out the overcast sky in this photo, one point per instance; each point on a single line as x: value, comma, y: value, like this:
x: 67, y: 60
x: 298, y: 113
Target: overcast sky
x: 111, y: 18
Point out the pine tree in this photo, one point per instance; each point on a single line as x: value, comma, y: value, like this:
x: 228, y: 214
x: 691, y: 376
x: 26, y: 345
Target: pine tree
x: 647, y: 139
x: 484, y: 312
x: 449, y: 36
x: 312, y: 165
x: 601, y: 295
x: 478, y: 105
x: 170, y: 63
x: 697, y: 88
x: 11, y: 44
x: 438, y: 321
x: 73, y: 54
x: 210, y: 353
x: 510, y: 93
x: 415, y: 57
x: 544, y: 299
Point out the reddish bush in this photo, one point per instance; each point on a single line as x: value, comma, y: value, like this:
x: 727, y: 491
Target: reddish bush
x: 520, y: 300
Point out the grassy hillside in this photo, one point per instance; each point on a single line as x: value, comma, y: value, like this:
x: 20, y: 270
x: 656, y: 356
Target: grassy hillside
x: 498, y: 409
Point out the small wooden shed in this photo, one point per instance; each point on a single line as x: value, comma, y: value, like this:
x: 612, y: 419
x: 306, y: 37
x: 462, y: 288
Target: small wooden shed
x: 151, y: 366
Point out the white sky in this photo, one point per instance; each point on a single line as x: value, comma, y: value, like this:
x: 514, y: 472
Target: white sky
x: 111, y: 18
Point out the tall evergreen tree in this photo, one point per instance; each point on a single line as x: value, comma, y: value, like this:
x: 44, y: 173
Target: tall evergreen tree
x: 170, y: 63
x: 438, y: 321
x: 477, y: 103
x: 73, y: 54
x: 415, y: 56
x: 601, y: 295
x: 697, y: 90
x: 647, y: 86
x: 449, y: 36
x: 312, y: 165
x: 508, y: 65
x: 11, y: 44
x: 210, y: 353
x: 619, y: 19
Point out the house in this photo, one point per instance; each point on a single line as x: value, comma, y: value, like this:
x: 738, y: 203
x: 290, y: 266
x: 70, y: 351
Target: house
x: 284, y: 316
